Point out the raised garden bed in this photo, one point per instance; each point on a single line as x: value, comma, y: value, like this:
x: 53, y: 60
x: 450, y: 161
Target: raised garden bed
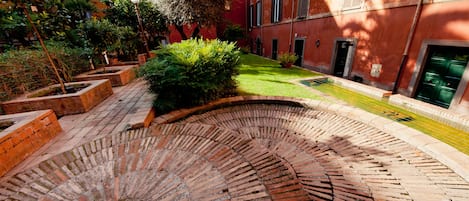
x: 63, y: 104
x: 118, y: 75
x: 23, y: 134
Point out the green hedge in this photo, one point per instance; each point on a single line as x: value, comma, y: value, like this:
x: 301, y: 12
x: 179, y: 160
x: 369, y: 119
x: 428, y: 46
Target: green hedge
x: 192, y: 73
x: 29, y: 69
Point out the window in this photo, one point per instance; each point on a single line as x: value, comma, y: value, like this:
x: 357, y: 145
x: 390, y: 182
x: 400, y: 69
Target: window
x: 351, y: 4
x: 258, y: 13
x: 276, y: 14
x: 251, y: 16
x: 303, y: 6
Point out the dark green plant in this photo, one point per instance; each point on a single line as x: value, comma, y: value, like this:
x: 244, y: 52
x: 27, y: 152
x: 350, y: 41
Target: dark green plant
x: 28, y: 69
x: 122, y: 13
x: 100, y: 34
x: 233, y: 33
x: 191, y: 73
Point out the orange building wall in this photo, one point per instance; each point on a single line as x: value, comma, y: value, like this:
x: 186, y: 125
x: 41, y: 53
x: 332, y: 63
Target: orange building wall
x: 381, y: 34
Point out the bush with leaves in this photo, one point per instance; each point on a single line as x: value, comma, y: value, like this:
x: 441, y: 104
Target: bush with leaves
x: 191, y: 73
x: 28, y: 69
x: 102, y: 36
x: 233, y: 33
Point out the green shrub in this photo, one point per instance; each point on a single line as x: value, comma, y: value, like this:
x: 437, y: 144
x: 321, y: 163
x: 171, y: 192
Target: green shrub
x: 102, y: 36
x: 287, y: 58
x: 233, y: 33
x: 29, y: 69
x: 191, y: 73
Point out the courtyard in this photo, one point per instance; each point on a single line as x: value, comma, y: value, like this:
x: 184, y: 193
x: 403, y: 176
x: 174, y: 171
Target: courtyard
x: 234, y: 100
x: 241, y: 148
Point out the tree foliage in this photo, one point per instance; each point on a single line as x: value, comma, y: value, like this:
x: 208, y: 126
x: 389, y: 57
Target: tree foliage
x: 122, y: 13
x: 54, y: 18
x: 189, y: 12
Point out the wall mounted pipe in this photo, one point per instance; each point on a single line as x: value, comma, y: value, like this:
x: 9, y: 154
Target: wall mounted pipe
x: 405, y: 54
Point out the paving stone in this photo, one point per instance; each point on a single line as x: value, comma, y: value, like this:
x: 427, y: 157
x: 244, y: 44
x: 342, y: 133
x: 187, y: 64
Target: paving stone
x: 276, y: 151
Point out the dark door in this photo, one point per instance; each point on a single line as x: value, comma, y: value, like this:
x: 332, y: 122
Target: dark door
x: 441, y: 75
x: 274, y: 49
x: 258, y: 47
x: 299, y: 48
x: 342, y: 48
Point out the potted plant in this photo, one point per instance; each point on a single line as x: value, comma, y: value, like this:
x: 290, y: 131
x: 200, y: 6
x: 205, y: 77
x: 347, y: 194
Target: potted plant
x: 287, y: 59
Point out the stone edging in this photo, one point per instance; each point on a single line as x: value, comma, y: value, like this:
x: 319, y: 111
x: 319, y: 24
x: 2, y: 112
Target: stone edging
x: 449, y: 156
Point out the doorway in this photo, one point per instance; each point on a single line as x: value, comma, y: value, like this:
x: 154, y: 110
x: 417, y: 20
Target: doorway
x: 258, y: 47
x: 274, y: 49
x: 299, y: 51
x: 442, y: 73
x: 343, y: 58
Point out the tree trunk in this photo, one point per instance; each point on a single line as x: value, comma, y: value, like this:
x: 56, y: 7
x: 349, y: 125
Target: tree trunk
x: 44, y: 48
x: 180, y: 29
x: 195, y: 33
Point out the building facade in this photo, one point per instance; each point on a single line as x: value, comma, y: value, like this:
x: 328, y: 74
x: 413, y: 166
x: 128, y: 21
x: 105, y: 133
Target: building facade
x: 418, y: 48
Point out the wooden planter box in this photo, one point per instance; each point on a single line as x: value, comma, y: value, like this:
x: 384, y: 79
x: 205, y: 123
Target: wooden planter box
x: 29, y: 132
x: 123, y: 76
x: 72, y: 103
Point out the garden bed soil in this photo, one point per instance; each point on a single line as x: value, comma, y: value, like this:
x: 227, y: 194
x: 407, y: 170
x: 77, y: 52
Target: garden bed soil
x: 104, y: 71
x: 118, y: 75
x: 26, y: 133
x: 5, y: 124
x: 64, y: 104
x: 57, y: 91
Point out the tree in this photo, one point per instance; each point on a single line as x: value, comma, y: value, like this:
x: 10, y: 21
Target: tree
x: 192, y: 12
x: 122, y: 13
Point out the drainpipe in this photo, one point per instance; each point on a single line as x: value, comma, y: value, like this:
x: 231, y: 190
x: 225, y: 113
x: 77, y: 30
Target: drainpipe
x: 262, y: 26
x: 291, y: 26
x: 405, y: 55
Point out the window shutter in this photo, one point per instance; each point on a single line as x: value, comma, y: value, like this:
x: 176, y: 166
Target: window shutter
x: 280, y: 5
x: 259, y: 13
x: 272, y: 12
x: 302, y: 8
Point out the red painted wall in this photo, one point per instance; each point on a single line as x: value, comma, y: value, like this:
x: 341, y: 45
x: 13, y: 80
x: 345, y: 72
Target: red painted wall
x: 381, y: 35
x: 445, y: 21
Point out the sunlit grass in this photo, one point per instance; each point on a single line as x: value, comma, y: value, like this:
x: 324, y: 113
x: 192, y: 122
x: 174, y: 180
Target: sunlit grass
x: 260, y: 76
x: 447, y: 134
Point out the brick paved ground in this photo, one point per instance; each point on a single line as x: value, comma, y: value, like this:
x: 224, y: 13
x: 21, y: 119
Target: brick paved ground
x: 111, y: 116
x: 283, y: 150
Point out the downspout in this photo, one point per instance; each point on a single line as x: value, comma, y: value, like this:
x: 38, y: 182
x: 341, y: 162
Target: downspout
x: 262, y: 26
x: 246, y: 9
x: 291, y: 27
x: 405, y: 55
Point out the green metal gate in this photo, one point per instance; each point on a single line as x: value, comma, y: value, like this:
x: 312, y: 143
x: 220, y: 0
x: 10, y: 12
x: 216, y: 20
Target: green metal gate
x: 442, y: 73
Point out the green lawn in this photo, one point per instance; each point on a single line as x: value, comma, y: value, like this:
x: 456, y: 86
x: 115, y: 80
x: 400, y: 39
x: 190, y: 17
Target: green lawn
x: 260, y: 76
x: 447, y: 134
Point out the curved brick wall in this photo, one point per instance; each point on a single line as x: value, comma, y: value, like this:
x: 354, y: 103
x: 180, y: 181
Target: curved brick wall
x: 263, y: 149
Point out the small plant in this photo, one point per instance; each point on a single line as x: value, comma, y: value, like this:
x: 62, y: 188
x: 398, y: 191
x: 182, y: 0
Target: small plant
x: 245, y: 50
x: 287, y: 59
x: 191, y: 73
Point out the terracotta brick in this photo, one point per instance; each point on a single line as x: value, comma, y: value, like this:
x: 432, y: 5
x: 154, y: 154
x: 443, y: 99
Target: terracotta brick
x: 63, y: 104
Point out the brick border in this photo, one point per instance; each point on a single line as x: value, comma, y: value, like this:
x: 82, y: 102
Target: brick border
x: 442, y: 152
x: 66, y: 104
x: 122, y: 77
x: 29, y: 133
